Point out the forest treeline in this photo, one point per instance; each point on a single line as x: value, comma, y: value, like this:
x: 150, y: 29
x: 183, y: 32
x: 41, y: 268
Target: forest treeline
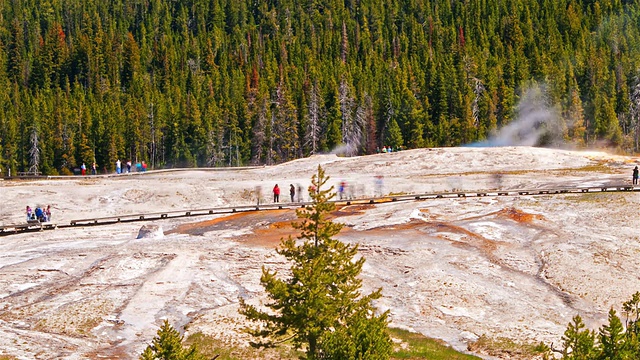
x: 235, y: 82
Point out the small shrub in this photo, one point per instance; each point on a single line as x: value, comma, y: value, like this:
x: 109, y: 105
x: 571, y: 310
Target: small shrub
x: 168, y: 345
x: 66, y: 172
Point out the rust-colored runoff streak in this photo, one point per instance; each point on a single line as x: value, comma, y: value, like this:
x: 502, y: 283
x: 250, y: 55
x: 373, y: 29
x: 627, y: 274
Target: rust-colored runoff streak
x: 268, y: 227
x: 519, y: 215
x: 213, y: 224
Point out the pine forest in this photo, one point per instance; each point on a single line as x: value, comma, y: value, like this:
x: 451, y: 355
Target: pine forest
x: 195, y: 83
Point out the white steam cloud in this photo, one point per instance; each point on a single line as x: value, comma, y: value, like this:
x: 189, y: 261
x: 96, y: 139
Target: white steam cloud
x: 537, y: 123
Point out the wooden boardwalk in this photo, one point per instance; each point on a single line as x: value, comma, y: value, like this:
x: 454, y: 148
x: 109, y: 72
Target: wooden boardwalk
x: 26, y: 227
x: 30, y: 227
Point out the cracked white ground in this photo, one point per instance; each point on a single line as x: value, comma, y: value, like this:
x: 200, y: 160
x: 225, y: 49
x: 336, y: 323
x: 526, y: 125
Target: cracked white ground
x: 518, y: 267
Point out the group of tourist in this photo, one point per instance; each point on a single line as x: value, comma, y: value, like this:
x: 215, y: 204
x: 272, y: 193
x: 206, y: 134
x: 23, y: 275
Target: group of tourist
x: 39, y: 214
x: 388, y: 149
x: 121, y: 168
x: 345, y: 191
x: 94, y: 169
x: 293, y: 192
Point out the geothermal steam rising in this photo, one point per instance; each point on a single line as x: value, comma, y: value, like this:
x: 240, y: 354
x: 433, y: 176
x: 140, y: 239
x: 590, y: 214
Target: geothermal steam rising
x: 535, y: 118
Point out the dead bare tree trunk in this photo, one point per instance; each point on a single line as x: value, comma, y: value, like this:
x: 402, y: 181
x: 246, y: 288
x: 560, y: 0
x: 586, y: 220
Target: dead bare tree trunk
x: 34, y: 152
x: 314, y: 126
x: 351, y: 128
x: 635, y: 111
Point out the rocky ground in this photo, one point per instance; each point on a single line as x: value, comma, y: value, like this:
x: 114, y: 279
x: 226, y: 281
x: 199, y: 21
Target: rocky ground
x: 518, y: 267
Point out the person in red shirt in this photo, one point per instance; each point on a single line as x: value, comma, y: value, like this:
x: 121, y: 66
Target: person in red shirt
x: 276, y: 194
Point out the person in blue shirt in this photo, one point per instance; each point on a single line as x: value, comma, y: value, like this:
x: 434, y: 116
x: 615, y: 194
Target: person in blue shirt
x: 39, y: 214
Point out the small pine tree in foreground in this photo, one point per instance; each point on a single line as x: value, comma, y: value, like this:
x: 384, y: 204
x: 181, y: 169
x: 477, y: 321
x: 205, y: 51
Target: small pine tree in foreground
x: 319, y: 307
x: 613, y: 341
x: 167, y: 345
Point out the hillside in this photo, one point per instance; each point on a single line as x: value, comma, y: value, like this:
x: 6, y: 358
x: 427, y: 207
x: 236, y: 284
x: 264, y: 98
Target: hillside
x: 224, y: 82
x: 456, y: 269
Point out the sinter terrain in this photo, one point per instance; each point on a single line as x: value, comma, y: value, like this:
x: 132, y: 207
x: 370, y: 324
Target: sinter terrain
x: 516, y: 267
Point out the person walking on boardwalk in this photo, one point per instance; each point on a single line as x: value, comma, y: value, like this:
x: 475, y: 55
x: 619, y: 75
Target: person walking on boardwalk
x: 292, y: 192
x: 84, y: 169
x: 635, y: 176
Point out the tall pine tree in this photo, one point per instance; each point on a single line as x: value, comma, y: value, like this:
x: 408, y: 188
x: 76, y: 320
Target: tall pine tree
x: 319, y: 306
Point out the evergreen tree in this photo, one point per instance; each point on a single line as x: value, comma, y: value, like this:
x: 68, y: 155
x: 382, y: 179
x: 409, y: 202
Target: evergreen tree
x: 131, y: 61
x: 631, y: 309
x: 365, y: 338
x: 393, y: 137
x: 611, y: 338
x: 578, y: 342
x: 612, y: 342
x: 167, y: 345
x: 319, y: 306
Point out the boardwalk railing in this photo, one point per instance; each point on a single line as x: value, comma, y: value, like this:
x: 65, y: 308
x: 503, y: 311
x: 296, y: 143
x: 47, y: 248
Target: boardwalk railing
x: 28, y: 227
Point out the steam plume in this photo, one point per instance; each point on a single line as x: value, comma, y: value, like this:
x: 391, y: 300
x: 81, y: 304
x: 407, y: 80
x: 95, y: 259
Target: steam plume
x: 537, y: 123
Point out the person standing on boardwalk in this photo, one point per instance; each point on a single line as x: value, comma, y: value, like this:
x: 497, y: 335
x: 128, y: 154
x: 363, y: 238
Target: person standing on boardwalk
x: 118, y: 166
x: 341, y: 189
x: 635, y: 176
x: 276, y: 194
x: 292, y: 192
x: 300, y: 193
x: 258, y: 194
x: 94, y: 169
x: 379, y: 185
x: 83, y: 168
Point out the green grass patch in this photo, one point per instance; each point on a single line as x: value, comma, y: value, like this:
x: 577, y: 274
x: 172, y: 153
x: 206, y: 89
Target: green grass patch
x: 507, y: 348
x: 595, y: 168
x: 401, y: 193
x: 210, y: 347
x: 602, y: 167
x: 408, y: 345
x: 601, y: 197
x: 417, y: 346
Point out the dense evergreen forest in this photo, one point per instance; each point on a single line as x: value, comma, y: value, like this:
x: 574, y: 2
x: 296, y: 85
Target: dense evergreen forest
x: 235, y: 82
